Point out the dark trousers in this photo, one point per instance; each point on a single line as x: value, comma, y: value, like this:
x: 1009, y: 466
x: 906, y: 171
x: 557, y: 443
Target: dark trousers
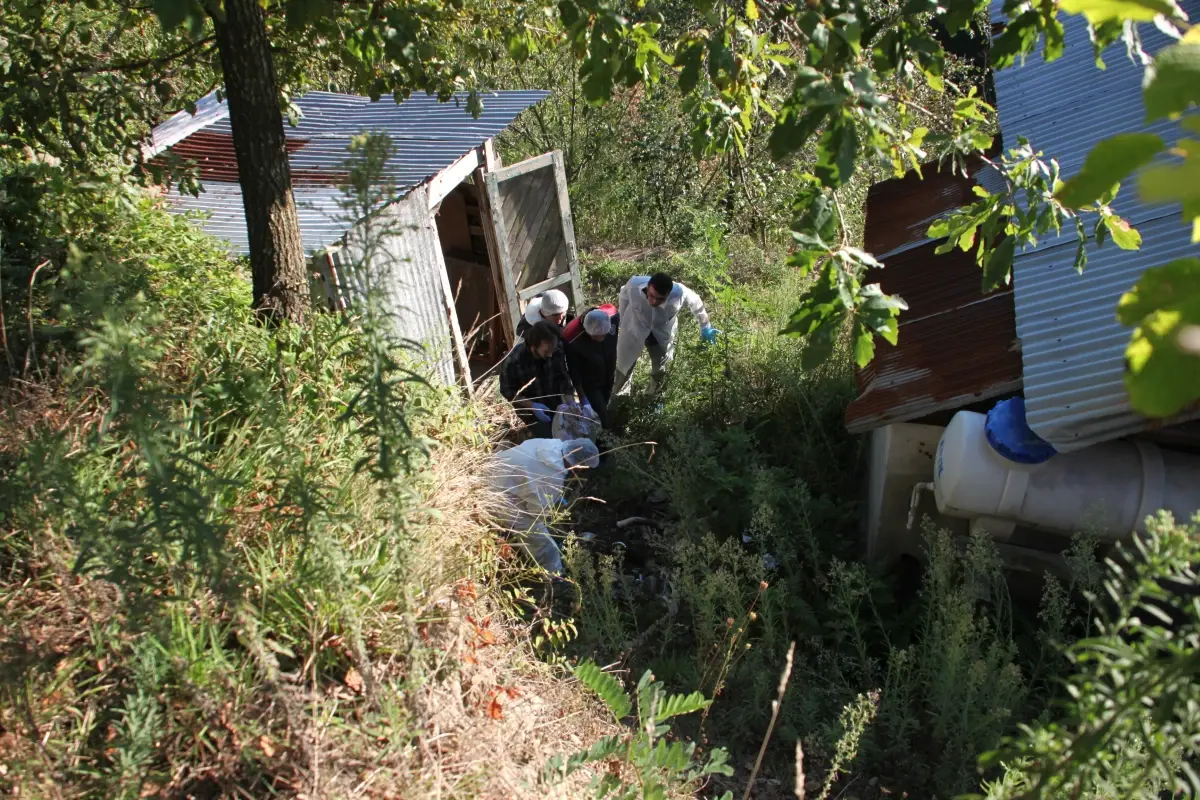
x: 598, y: 399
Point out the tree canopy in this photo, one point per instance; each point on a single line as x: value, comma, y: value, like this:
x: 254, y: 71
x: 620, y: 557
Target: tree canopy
x: 836, y: 76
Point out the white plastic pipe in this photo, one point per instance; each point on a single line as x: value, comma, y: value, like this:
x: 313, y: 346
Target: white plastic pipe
x: 1107, y: 489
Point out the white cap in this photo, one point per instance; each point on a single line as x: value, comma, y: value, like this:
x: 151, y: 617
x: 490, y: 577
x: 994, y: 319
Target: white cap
x: 533, y: 311
x: 581, y: 453
x: 597, y: 323
x: 554, y: 302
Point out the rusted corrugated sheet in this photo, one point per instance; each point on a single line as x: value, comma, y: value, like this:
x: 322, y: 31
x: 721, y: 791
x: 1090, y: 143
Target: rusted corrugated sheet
x: 929, y: 283
x: 942, y: 362
x: 900, y: 210
x: 956, y: 346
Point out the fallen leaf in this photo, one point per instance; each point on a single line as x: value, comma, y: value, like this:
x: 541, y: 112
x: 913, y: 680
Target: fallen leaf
x: 268, y: 747
x: 354, y: 680
x: 513, y: 692
x: 486, y: 637
x: 466, y: 591
x: 495, y: 710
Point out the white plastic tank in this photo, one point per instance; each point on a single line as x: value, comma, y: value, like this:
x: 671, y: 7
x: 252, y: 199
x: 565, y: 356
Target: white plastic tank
x: 1107, y: 489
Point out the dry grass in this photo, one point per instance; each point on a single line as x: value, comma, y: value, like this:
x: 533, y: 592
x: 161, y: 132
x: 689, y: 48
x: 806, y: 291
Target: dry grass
x: 461, y: 705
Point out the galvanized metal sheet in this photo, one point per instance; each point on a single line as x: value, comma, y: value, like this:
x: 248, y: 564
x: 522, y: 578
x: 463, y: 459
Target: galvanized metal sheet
x: 396, y: 258
x: 219, y: 211
x: 1072, y: 347
x: 428, y: 136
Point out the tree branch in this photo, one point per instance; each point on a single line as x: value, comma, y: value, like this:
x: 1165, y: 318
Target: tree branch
x: 159, y: 61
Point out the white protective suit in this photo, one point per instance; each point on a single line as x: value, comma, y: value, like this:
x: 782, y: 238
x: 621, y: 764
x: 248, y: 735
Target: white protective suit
x: 639, y: 319
x: 531, y: 477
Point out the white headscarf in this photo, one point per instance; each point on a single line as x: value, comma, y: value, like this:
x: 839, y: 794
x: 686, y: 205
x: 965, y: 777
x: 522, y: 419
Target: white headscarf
x: 551, y: 302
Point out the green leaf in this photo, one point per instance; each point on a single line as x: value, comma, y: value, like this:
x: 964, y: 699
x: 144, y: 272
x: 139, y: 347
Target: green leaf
x: 1056, y: 40
x: 864, y: 346
x: 679, y: 704
x: 301, y: 13
x: 1109, y: 162
x: 606, y: 687
x: 793, y: 130
x: 819, y: 347
x: 559, y: 767
x: 836, y: 154
x: 173, y: 13
x: 1124, y: 235
x: 1019, y: 38
x: 1162, y: 370
x: 1172, y: 83
x: 997, y: 270
x: 877, y: 315
x: 1101, y: 11
x: 1081, y: 250
x: 690, y: 58
x: 1176, y: 183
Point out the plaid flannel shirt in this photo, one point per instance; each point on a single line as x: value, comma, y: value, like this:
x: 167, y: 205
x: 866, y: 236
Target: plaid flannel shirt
x: 543, y: 380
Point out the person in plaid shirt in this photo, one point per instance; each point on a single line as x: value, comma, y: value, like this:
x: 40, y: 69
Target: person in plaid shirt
x: 535, y: 378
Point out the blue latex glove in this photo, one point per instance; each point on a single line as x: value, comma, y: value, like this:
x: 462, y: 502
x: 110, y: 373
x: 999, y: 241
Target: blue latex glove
x: 540, y: 412
x: 709, y: 335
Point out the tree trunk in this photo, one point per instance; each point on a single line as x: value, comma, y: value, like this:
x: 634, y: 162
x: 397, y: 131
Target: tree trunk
x: 276, y: 253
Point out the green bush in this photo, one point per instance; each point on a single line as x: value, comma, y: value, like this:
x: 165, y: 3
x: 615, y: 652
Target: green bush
x: 761, y: 548
x: 207, y: 526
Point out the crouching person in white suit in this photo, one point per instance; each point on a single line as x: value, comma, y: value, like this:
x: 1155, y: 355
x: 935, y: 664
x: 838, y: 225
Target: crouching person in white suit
x: 531, y: 476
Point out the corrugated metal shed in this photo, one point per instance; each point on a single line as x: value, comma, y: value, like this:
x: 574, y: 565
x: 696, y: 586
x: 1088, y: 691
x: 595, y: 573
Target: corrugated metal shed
x: 428, y: 136
x: 404, y: 275
x: 956, y: 346
x: 1073, y: 348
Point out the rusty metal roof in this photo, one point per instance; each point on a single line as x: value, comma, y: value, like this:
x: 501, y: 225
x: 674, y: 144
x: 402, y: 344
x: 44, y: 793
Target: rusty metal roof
x: 956, y: 346
x: 942, y: 362
x: 427, y: 136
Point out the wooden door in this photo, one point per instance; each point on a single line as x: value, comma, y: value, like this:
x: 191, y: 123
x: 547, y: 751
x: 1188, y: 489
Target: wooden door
x: 535, y: 238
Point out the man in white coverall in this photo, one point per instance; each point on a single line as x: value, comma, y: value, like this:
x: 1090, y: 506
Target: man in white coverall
x: 531, y: 477
x: 649, y: 318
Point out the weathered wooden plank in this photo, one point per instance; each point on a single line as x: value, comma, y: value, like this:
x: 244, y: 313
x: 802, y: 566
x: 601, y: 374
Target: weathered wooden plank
x: 537, y: 261
x: 505, y: 263
x: 501, y: 278
x: 526, y: 166
x: 448, y: 179
x: 460, y: 350
x: 518, y: 220
x: 538, y: 288
x: 568, y: 225
x: 541, y: 225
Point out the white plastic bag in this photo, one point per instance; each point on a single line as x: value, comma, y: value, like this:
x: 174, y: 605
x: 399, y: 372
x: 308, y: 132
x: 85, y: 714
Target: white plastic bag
x: 573, y: 421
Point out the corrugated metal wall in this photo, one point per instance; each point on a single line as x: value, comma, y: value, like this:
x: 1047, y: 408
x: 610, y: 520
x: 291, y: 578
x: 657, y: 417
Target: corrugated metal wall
x: 1072, y: 346
x: 405, y: 272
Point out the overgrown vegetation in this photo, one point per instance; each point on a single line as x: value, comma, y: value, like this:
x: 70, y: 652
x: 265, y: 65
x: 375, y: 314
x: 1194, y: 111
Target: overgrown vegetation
x: 225, y: 569
x: 247, y: 562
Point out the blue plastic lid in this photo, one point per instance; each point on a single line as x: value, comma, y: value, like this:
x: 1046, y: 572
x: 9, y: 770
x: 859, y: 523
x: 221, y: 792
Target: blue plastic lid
x: 1010, y: 436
